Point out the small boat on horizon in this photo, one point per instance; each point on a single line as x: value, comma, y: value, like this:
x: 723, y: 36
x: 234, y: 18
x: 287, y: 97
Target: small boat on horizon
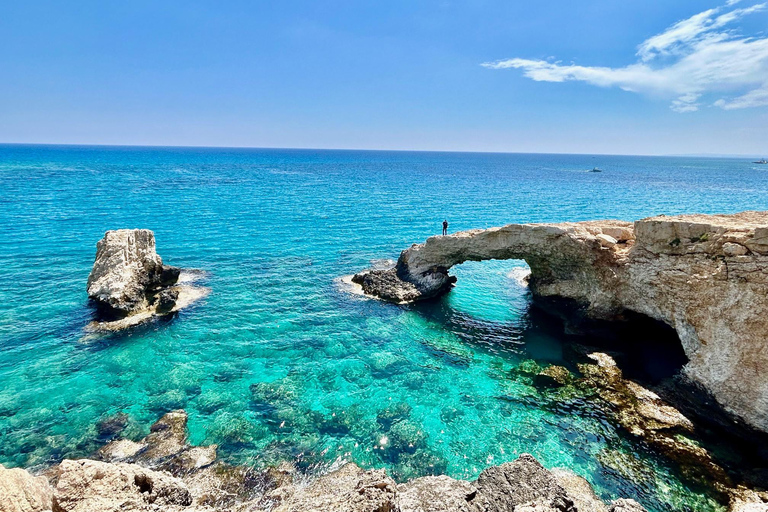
x: 763, y: 161
x: 596, y: 170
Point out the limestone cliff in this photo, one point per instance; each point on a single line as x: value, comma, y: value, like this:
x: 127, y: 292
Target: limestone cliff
x: 704, y: 275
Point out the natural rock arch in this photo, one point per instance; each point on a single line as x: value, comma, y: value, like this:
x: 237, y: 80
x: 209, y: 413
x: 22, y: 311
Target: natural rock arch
x: 706, y: 276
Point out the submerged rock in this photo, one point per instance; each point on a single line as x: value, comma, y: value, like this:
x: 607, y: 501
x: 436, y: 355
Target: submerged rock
x: 644, y: 414
x: 553, y: 376
x: 703, y: 275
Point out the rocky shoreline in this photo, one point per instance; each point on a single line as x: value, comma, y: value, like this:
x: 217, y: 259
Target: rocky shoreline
x: 162, y: 472
x: 600, y: 266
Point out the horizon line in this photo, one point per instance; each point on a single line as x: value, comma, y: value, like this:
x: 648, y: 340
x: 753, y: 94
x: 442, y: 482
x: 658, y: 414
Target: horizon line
x: 275, y: 148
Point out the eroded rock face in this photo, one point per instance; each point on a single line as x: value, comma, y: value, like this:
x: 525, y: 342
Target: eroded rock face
x: 704, y: 275
x: 579, y: 491
x: 437, y: 494
x: 644, y: 414
x: 522, y: 484
x: 127, y: 273
x: 22, y: 492
x: 349, y: 489
x: 625, y: 505
x: 88, y: 485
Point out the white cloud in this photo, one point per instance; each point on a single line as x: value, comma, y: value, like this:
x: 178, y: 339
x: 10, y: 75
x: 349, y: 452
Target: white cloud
x: 692, y: 58
x: 754, y: 98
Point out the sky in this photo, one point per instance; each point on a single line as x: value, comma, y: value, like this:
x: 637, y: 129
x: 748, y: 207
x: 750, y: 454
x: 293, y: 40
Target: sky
x: 594, y: 76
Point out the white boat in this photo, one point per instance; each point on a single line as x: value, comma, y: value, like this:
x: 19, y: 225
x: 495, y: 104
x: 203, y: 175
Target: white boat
x: 763, y: 161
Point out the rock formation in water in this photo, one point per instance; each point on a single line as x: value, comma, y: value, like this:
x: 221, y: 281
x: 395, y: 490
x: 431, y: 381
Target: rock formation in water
x: 129, y: 283
x: 162, y: 472
x: 128, y: 274
x: 706, y: 276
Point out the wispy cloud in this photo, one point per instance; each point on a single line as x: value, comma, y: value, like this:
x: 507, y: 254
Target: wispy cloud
x: 695, y: 58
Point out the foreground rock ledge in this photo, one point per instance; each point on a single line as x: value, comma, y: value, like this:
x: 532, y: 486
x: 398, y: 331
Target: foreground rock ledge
x: 704, y: 275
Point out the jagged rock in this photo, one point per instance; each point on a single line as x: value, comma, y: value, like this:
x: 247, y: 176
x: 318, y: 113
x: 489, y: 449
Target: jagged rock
x: 437, y: 494
x: 88, y: 486
x: 553, y: 376
x: 127, y: 272
x: 386, y: 284
x: 190, y: 460
x: 626, y: 505
x: 22, y: 492
x: 733, y: 249
x: 579, y: 491
x: 168, y: 436
x: 685, y: 271
x: 522, y: 482
x: 606, y: 241
x: 747, y: 500
x: 166, y: 300
x: 120, y: 449
x: 644, y: 414
x: 348, y: 489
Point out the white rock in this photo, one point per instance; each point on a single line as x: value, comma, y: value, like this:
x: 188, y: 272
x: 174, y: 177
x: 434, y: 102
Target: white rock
x: 22, y: 492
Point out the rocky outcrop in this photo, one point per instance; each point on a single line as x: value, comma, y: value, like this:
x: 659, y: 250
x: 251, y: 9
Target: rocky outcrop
x: 644, y: 414
x: 703, y: 275
x: 129, y: 282
x: 22, y: 492
x: 520, y: 486
x: 89, y: 485
x: 128, y: 273
x: 349, y: 489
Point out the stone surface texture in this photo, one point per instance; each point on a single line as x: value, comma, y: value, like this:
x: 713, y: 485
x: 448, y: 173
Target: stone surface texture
x: 706, y: 276
x: 89, y: 485
x: 437, y: 494
x: 127, y: 272
x: 348, y: 489
x: 22, y: 492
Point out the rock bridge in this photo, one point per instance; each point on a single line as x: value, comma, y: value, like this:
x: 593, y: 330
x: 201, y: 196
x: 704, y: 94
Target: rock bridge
x: 706, y: 276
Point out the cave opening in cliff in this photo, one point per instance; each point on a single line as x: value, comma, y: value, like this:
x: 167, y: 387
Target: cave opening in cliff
x: 651, y: 349
x: 646, y: 349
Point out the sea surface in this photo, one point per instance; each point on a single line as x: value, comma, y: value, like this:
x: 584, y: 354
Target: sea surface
x: 281, y: 360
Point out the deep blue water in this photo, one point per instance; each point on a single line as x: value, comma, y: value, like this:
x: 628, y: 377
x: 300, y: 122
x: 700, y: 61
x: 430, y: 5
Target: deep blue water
x: 280, y: 360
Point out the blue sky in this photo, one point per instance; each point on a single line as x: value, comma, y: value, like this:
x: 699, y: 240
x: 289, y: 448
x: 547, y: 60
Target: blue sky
x: 632, y: 77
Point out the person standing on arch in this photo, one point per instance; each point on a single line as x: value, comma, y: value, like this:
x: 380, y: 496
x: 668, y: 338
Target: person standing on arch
x: 445, y: 227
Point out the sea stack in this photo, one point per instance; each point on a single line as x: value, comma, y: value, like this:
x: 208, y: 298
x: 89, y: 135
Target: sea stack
x: 128, y: 276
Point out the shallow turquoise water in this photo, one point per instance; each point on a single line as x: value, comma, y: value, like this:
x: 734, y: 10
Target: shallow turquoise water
x: 280, y: 360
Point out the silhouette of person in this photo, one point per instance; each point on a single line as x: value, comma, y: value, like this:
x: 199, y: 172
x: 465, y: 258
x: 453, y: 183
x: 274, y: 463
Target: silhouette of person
x: 445, y: 227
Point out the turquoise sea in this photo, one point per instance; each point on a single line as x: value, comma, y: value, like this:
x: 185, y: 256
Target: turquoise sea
x: 280, y: 360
